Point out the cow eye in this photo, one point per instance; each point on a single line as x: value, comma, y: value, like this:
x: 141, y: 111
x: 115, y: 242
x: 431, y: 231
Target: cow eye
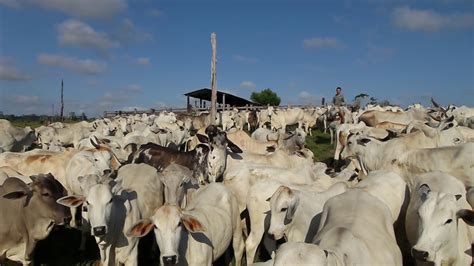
x: 448, y: 221
x: 110, y: 201
x: 96, y: 160
x: 283, y: 209
x: 46, y: 194
x: 88, y: 203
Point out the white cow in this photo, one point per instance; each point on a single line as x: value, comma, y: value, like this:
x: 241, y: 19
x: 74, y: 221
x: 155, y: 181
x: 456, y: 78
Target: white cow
x: 295, y: 213
x: 299, y: 253
x: 112, y: 206
x: 15, y: 139
x: 110, y: 210
x: 264, y: 181
x: 434, y: 217
x: 265, y: 115
x: 286, y: 117
x: 98, y: 161
x: 356, y: 229
x: 206, y: 238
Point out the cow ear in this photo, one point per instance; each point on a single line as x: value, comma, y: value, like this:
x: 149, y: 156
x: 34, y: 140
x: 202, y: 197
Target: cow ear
x: 202, y: 138
x: 141, y: 228
x: 363, y: 141
x: 81, y: 179
x: 293, y: 204
x: 33, y: 178
x: 192, y: 224
x: 71, y: 201
x: 423, y: 191
x: 234, y: 148
x: 15, y: 195
x: 467, y: 216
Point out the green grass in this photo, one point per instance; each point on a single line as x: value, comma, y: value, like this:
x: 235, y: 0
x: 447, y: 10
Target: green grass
x: 320, y: 144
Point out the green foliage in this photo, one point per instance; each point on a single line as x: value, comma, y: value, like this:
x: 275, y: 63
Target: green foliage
x: 360, y: 95
x: 373, y: 100
x: 266, y: 96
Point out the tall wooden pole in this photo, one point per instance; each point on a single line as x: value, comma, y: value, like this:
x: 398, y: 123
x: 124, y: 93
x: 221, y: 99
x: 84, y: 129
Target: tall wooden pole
x: 213, y: 79
x: 62, y: 100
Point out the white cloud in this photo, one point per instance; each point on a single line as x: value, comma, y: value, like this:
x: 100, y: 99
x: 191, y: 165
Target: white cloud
x: 134, y: 88
x: 244, y: 59
x: 322, y: 42
x: 76, y: 33
x: 10, y: 3
x: 247, y: 85
x: 97, y: 9
x: 25, y: 100
x: 144, y: 61
x: 155, y: 12
x: 10, y: 73
x: 307, y: 98
x: 80, y: 66
x: 376, y: 54
x: 128, y: 32
x: 428, y: 20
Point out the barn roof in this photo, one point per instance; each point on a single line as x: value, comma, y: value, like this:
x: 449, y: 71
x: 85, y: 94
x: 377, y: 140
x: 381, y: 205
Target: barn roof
x: 205, y: 94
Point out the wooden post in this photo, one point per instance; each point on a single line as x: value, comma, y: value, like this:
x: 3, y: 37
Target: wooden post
x: 62, y: 101
x: 223, y: 102
x: 188, y: 105
x: 213, y: 79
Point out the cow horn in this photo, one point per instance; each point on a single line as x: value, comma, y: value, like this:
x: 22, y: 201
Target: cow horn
x: 95, y: 142
x: 435, y: 104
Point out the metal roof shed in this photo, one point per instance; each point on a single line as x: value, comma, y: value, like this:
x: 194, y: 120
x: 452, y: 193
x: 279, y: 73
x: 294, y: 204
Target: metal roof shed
x: 223, y: 98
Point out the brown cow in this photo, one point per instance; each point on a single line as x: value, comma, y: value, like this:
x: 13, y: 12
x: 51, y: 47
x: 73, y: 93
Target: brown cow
x: 29, y: 213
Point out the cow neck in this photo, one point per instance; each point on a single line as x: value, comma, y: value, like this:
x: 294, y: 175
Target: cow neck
x: 38, y: 228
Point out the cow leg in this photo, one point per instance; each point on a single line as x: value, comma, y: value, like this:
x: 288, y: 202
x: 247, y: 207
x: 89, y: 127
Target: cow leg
x: 238, y: 243
x: 73, y: 222
x: 257, y: 229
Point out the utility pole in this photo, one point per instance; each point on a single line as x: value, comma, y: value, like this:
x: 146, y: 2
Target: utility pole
x: 62, y: 101
x: 213, y: 79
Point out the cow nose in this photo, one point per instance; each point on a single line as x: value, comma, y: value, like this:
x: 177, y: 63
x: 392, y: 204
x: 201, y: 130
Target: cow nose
x: 419, y: 254
x: 167, y: 260
x: 99, y: 231
x: 107, y: 171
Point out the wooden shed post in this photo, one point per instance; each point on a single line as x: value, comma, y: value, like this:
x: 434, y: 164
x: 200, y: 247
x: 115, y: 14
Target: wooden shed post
x: 213, y: 79
x: 188, y: 105
x: 223, y: 102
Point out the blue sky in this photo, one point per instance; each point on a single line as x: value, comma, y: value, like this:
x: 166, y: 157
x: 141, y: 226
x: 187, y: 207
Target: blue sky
x: 119, y: 54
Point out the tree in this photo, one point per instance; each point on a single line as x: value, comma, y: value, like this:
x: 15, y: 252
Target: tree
x: 266, y: 96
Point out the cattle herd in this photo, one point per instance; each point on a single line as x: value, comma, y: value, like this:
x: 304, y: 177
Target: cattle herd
x: 400, y: 189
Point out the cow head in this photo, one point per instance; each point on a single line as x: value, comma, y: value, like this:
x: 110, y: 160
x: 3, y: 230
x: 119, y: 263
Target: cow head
x: 39, y: 198
x: 283, y: 204
x: 170, y: 224
x: 439, y: 216
x: 104, y: 202
x: 217, y: 157
x: 101, y: 156
x: 175, y: 178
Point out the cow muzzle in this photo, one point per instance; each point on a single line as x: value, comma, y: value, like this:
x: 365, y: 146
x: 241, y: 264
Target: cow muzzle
x: 419, y: 254
x: 99, y: 231
x: 275, y: 235
x: 170, y: 260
